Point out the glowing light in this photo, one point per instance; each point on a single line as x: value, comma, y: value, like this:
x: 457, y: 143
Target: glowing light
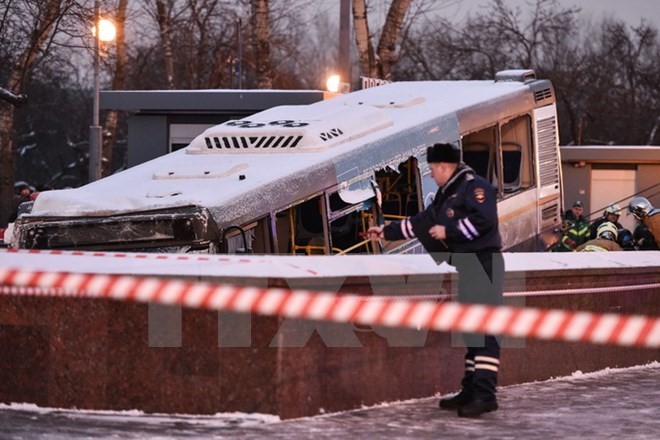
x: 333, y: 83
x: 107, y: 30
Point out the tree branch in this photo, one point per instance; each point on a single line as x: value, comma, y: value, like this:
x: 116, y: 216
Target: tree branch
x: 13, y: 99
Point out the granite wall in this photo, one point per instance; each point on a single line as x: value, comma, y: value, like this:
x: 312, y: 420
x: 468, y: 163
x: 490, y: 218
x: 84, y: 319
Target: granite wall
x: 102, y: 354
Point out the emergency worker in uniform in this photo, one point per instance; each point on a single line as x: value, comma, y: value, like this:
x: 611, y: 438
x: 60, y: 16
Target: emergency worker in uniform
x: 649, y: 216
x: 23, y: 192
x: 576, y: 213
x: 626, y: 240
x: 610, y: 214
x: 461, y: 227
x: 575, y: 229
x: 644, y: 240
x: 605, y: 241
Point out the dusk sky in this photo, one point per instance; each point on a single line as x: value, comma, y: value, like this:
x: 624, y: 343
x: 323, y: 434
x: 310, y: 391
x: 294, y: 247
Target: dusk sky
x: 630, y: 10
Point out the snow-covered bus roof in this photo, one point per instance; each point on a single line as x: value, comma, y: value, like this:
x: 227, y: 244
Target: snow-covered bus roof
x: 233, y: 167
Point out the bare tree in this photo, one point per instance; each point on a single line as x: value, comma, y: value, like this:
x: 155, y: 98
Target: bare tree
x: 605, y: 76
x: 186, y: 45
x: 387, y: 44
x: 621, y: 95
x: 366, y: 55
x: 378, y: 64
x: 164, y: 19
x: 28, y: 26
x: 261, y: 42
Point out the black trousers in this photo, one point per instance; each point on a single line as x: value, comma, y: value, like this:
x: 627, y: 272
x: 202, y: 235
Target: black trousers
x: 480, y: 281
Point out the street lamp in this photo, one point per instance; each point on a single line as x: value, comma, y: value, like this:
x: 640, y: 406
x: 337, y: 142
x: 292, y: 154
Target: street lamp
x: 104, y: 30
x: 334, y: 84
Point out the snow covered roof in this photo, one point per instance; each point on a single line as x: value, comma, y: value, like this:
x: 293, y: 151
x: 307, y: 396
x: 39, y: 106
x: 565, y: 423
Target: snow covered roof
x: 230, y: 169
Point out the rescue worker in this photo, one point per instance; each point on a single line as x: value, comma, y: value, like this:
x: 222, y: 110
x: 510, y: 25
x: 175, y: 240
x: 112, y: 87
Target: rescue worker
x: 22, y: 195
x: 626, y: 240
x: 575, y: 229
x: 649, y: 216
x: 576, y: 212
x: 462, y: 222
x: 605, y: 240
x: 610, y: 214
x: 644, y: 240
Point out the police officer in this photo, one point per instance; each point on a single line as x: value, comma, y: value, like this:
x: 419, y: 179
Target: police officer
x: 462, y: 222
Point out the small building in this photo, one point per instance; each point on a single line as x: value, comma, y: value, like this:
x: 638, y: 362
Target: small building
x: 601, y: 175
x: 162, y: 121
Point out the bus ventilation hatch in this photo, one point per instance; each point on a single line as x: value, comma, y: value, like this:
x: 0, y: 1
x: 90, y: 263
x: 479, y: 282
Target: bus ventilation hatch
x: 549, y: 213
x: 540, y: 95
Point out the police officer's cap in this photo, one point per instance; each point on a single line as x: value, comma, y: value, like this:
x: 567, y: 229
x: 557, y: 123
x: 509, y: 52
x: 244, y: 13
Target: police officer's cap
x: 443, y: 153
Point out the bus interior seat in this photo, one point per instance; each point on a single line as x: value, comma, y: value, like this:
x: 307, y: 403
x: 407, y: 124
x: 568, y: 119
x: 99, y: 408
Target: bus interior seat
x: 392, y: 203
x: 477, y: 155
x: 512, y: 165
x: 307, y: 225
x: 412, y: 205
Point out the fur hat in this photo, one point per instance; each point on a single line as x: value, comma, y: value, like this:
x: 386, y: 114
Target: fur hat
x: 443, y: 153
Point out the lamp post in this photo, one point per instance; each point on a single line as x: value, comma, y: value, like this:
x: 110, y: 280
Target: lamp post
x: 340, y: 82
x: 104, y: 30
x: 344, y: 62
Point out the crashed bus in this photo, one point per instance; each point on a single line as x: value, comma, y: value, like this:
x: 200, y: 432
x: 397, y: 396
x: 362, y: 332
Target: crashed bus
x: 311, y: 179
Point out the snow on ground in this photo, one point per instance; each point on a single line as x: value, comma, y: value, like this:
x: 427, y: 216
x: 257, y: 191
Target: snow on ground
x: 612, y: 403
x: 292, y: 267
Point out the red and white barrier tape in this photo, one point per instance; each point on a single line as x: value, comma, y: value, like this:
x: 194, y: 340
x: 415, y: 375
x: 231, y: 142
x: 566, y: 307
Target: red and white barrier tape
x: 450, y: 316
x: 225, y: 259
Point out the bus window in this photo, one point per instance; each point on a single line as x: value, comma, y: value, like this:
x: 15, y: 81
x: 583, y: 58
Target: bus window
x: 344, y: 229
x: 479, y: 153
x: 400, y: 189
x: 517, y: 170
x: 306, y: 223
x: 479, y: 156
x: 349, y: 216
x: 261, y: 232
x: 299, y: 229
x: 401, y: 195
x: 246, y: 239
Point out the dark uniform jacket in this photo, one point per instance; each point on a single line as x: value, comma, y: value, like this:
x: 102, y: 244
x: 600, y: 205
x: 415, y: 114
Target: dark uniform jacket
x: 574, y: 236
x: 643, y: 238
x: 466, y: 206
x: 652, y: 222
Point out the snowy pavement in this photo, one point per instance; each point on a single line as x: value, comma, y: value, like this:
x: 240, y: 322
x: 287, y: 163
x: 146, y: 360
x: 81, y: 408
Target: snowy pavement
x: 613, y: 403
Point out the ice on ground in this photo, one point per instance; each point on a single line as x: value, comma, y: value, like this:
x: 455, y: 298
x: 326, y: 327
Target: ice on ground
x: 611, y: 403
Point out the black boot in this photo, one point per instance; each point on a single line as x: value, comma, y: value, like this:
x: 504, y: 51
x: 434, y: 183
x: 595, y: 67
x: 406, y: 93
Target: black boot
x: 456, y: 402
x: 477, y: 407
